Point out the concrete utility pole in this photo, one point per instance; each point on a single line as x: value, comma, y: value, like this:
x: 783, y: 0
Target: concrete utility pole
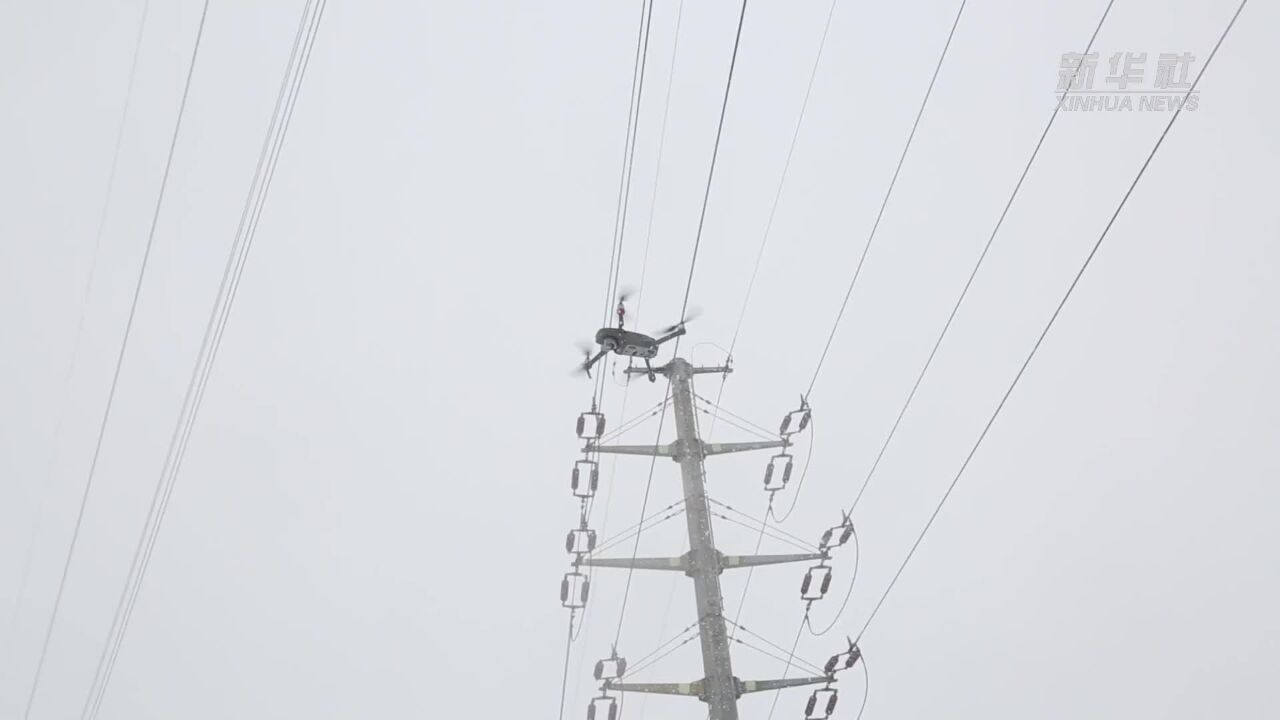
x: 721, y: 692
x: 719, y: 688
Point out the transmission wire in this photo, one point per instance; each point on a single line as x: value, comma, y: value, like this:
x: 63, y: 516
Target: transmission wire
x: 564, y: 677
x: 688, y: 288
x: 615, y: 259
x: 736, y: 425
x: 808, y: 545
x: 219, y: 316
x: 777, y: 197
x: 637, y: 75
x: 801, y: 661
x: 885, y: 202
x: 757, y: 429
x: 857, y: 272
x: 79, y: 332
x: 866, y: 248
x: 711, y: 172
x: 791, y: 654
x: 1048, y: 326
x: 115, y: 378
x: 955, y: 308
x: 662, y: 144
x: 977, y: 265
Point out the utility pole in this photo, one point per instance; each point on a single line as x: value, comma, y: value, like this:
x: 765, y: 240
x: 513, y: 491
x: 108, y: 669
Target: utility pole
x: 718, y: 687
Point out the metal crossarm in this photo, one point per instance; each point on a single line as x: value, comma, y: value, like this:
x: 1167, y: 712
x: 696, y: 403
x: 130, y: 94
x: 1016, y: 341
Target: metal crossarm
x: 740, y: 561
x: 724, y: 448
x: 668, y: 563
x: 698, y: 687
x: 659, y: 450
x: 750, y: 686
x: 693, y: 689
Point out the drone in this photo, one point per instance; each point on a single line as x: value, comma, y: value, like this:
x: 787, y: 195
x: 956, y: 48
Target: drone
x: 630, y: 343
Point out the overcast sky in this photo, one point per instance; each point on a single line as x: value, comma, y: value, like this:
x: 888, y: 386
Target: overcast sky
x: 371, y: 516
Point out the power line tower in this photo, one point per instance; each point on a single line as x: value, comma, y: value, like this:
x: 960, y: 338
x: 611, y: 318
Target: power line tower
x: 719, y: 687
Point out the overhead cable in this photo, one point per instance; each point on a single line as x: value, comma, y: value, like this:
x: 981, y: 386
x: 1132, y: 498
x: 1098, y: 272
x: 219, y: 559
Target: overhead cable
x: 264, y: 173
x: 893, y: 180
x: 79, y: 332
x: 1052, y: 318
x: 977, y: 266
x: 711, y: 171
x: 688, y: 288
x: 115, y: 377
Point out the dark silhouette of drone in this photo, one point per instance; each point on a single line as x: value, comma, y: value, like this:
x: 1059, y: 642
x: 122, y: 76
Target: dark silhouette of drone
x: 629, y: 343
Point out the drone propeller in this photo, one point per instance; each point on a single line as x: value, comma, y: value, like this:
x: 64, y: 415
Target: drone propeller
x: 581, y: 368
x: 688, y: 318
x: 626, y: 293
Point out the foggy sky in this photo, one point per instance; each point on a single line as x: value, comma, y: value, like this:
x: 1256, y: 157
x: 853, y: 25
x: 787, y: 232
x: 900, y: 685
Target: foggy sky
x: 370, y: 519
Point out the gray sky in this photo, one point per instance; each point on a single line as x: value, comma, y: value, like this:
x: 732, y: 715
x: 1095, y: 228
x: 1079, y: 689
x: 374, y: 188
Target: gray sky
x: 371, y: 514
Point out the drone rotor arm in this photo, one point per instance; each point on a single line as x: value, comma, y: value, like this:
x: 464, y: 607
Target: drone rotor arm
x: 671, y: 334
x: 592, y: 360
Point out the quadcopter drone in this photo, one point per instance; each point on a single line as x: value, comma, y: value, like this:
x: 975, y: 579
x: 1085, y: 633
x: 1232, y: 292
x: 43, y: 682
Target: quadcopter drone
x: 629, y: 342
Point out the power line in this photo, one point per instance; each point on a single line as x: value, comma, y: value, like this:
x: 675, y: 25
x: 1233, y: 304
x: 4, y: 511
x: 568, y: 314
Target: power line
x: 624, y: 187
x: 84, y: 306
x: 746, y: 424
x: 924, y: 102
x: 866, y: 687
x: 848, y: 293
x: 693, y: 263
x: 1052, y: 318
x: 642, y: 666
x: 628, y: 154
x: 564, y: 677
x: 736, y: 425
x: 662, y: 144
x: 662, y: 626
x: 618, y: 432
x: 624, y: 180
x: 946, y: 327
x: 848, y: 594
x: 779, y: 538
x: 635, y: 548
x: 264, y: 173
x: 115, y: 377
x: 885, y: 203
x: 644, y: 661
x: 773, y: 208
x: 624, y: 195
x: 626, y: 532
x: 801, y: 661
x: 790, y: 655
x: 624, y: 201
x: 688, y: 288
x: 955, y: 308
x: 758, y: 521
x: 782, y: 180
x: 764, y: 526
x: 615, y: 261
x: 805, y: 665
x: 711, y: 172
x: 657, y: 519
x: 632, y: 424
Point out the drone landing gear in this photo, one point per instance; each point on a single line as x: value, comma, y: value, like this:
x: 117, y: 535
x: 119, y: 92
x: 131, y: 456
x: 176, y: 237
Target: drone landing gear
x: 649, y: 368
